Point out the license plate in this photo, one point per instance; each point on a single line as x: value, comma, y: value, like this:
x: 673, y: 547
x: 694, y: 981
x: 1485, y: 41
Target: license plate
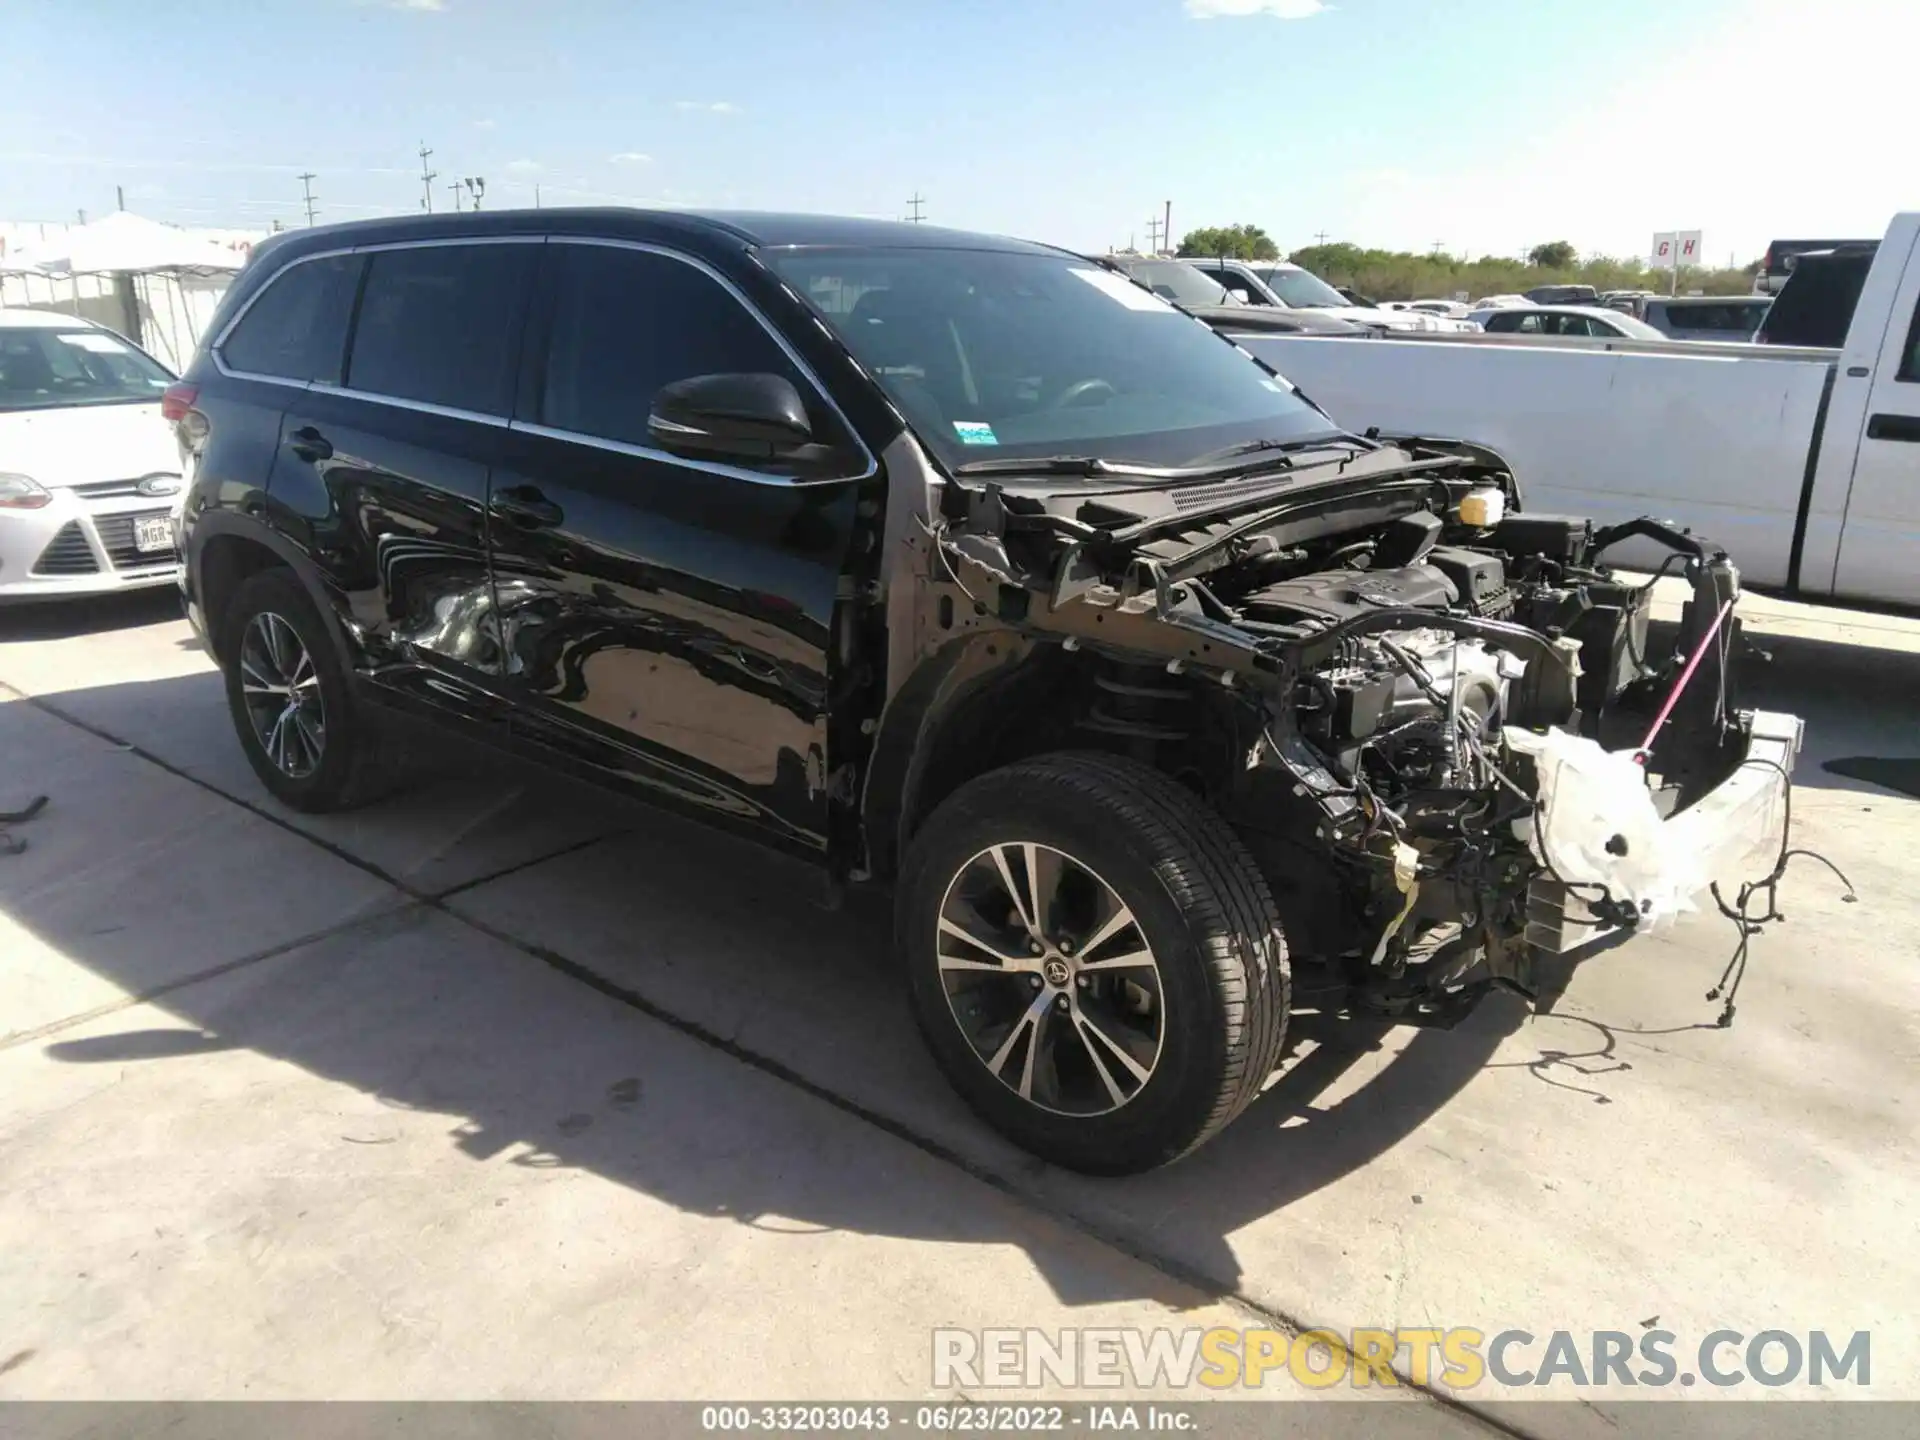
x: 153, y: 533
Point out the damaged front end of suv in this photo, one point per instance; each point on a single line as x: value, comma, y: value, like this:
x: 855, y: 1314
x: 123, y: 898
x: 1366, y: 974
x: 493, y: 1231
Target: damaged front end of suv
x: 1443, y: 726
x: 1168, y: 706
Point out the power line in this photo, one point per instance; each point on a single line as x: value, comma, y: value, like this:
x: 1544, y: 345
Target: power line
x: 307, y: 177
x: 427, y: 178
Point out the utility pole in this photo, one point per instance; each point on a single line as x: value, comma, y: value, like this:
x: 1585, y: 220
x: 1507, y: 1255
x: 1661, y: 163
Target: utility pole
x: 307, y: 178
x: 476, y: 187
x: 83, y: 217
x: 427, y: 177
x: 1153, y: 234
x: 1319, y: 237
x: 536, y: 194
x: 1166, y: 227
x: 119, y: 198
x: 916, y: 202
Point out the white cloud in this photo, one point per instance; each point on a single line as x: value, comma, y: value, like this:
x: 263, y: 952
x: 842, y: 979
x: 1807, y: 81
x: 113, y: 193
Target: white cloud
x: 712, y: 107
x: 417, y: 4
x: 524, y: 167
x: 631, y: 157
x: 1278, y: 9
x: 484, y: 124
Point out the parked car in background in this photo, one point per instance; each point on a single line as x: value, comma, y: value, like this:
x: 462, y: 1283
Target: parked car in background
x: 1703, y: 317
x: 1574, y: 320
x: 1282, y: 286
x: 1815, y: 306
x: 1563, y: 295
x: 88, y: 467
x: 1205, y: 297
x: 1627, y: 300
x: 883, y: 546
x: 1783, y: 255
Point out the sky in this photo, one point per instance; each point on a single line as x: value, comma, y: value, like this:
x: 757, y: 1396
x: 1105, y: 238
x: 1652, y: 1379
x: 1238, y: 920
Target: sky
x: 1472, y: 126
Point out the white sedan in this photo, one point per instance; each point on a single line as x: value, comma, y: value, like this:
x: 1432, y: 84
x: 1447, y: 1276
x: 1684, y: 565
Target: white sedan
x: 89, y: 471
x: 1577, y: 320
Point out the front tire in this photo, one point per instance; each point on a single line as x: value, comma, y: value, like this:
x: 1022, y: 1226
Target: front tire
x: 1094, y: 960
x: 289, y: 697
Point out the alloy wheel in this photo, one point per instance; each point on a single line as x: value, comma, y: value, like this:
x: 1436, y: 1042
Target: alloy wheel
x: 282, y: 692
x: 1050, y: 979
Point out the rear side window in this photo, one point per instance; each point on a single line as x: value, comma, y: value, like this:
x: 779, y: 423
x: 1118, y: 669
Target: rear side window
x: 626, y: 323
x: 1816, y: 305
x: 439, y: 324
x: 1732, y: 317
x: 297, y: 327
x: 1910, y: 359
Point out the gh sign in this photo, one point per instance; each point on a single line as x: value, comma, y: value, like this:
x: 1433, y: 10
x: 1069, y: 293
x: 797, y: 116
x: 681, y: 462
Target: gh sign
x: 1676, y: 249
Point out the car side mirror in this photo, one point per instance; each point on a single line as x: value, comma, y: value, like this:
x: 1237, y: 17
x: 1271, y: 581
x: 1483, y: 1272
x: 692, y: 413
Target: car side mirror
x: 744, y: 416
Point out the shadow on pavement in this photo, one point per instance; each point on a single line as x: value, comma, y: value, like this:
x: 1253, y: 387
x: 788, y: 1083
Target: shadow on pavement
x: 90, y: 615
x: 1858, y: 701
x: 730, y: 945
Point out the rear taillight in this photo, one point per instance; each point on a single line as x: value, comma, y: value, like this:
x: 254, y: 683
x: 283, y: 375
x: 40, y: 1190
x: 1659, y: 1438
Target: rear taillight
x: 177, y: 401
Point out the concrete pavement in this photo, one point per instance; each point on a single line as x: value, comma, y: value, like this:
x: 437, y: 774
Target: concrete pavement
x: 497, y: 1089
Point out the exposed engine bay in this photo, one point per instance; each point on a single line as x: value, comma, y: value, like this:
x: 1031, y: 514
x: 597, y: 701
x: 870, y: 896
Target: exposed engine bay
x: 1369, y: 666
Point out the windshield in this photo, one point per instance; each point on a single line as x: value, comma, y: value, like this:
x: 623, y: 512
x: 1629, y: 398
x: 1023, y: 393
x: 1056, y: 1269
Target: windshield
x: 47, y: 369
x: 993, y: 354
x: 1303, y: 290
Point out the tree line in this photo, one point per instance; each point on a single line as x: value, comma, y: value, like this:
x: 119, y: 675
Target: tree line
x: 1404, y: 275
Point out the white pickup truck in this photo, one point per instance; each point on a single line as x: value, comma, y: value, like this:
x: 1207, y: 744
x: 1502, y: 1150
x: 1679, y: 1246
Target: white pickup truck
x: 1804, y: 463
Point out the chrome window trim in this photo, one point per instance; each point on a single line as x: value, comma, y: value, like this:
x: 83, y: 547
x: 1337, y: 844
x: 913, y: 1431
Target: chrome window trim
x: 669, y: 457
x: 711, y: 467
x: 529, y: 427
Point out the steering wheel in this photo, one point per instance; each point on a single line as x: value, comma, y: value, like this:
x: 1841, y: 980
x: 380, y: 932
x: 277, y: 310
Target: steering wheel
x: 1079, y: 390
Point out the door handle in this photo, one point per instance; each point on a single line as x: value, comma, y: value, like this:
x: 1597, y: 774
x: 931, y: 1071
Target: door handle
x: 525, y: 506
x: 309, y: 444
x: 1894, y: 427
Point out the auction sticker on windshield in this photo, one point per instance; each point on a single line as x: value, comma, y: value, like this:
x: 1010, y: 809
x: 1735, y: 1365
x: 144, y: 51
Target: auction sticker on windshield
x: 1120, y: 288
x: 975, y: 432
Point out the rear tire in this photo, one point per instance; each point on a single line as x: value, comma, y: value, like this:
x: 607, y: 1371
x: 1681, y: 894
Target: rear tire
x: 1104, y: 1043
x: 312, y: 747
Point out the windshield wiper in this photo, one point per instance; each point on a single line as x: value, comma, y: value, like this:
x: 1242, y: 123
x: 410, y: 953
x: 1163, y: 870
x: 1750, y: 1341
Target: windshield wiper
x: 1234, y: 460
x: 1255, y: 447
x: 1051, y: 465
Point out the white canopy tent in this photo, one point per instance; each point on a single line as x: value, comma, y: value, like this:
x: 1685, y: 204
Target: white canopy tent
x: 125, y: 243
x: 156, y: 283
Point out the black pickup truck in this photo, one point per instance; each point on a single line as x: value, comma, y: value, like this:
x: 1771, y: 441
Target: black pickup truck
x: 967, y: 567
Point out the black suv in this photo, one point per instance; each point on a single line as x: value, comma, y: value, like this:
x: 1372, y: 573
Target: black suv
x: 951, y: 563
